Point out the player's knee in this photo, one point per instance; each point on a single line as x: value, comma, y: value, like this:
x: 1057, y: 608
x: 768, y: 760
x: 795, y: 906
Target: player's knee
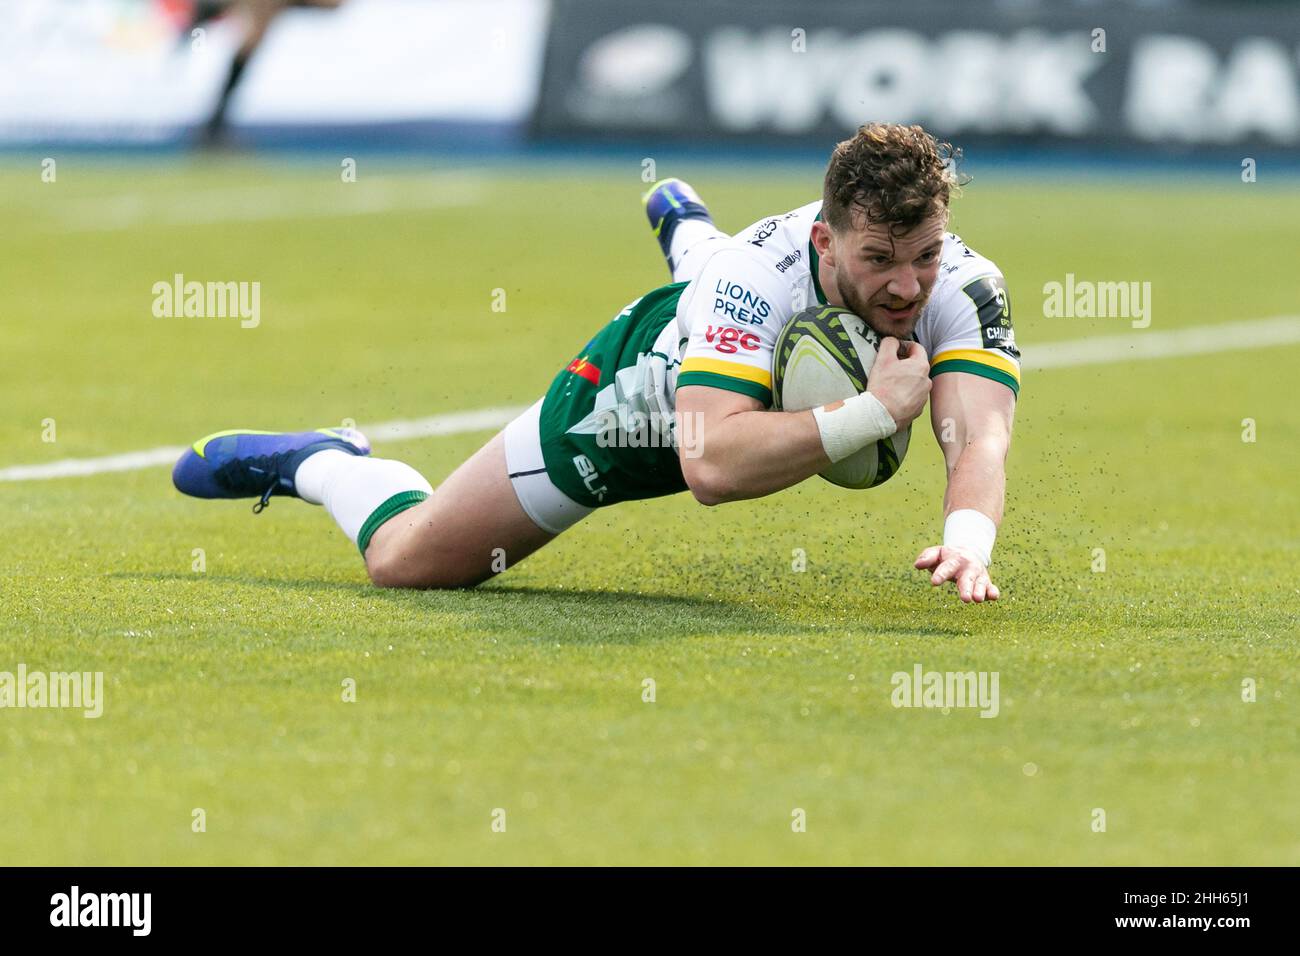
x: 385, y: 572
x: 390, y: 568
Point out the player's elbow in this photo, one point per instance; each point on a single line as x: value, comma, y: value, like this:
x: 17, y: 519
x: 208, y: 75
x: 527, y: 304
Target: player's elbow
x: 709, y: 484
x: 706, y: 496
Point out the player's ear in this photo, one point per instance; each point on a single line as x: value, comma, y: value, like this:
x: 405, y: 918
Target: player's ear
x: 821, y: 240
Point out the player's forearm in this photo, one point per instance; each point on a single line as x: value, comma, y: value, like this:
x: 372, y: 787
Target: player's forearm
x: 751, y: 454
x: 977, y: 480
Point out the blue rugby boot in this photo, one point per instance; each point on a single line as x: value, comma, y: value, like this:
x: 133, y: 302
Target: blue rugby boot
x: 669, y: 202
x: 242, y: 463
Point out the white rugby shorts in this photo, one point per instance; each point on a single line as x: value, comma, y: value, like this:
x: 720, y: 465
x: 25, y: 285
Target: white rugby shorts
x: 549, y: 507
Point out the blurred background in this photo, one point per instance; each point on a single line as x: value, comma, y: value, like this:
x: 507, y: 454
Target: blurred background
x: 439, y: 203
x: 1145, y: 77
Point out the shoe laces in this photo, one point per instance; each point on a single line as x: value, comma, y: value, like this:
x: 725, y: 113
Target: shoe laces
x: 266, y: 498
x: 270, y: 466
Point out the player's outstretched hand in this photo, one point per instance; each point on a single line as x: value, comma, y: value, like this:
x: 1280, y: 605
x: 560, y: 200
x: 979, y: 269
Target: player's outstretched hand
x: 961, y: 566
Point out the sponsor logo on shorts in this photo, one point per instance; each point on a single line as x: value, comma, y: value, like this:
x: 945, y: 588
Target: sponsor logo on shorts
x: 590, y: 476
x: 730, y: 340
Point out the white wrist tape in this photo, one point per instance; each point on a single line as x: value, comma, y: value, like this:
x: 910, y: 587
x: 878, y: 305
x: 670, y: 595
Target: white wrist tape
x: 972, y: 530
x: 853, y: 426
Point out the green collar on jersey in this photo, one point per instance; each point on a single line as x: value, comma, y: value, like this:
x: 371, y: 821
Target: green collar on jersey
x: 816, y: 266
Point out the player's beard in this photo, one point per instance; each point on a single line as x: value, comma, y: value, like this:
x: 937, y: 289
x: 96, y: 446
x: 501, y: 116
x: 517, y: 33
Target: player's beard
x: 872, y: 316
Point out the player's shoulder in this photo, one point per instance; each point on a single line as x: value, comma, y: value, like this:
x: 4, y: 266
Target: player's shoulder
x: 965, y: 278
x: 749, y: 258
x: 733, y: 258
x: 734, y: 284
x: 959, y: 262
x: 968, y: 318
x: 780, y: 241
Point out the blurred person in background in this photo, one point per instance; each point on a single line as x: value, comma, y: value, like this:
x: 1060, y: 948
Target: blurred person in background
x: 257, y: 16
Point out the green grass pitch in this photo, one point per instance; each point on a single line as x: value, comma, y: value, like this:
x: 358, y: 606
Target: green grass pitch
x: 1121, y: 690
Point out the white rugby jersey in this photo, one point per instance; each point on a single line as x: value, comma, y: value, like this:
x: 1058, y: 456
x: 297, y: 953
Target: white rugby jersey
x: 728, y: 318
x: 720, y: 329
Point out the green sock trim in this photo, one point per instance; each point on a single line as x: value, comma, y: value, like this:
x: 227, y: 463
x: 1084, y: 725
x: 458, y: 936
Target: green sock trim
x: 393, y: 506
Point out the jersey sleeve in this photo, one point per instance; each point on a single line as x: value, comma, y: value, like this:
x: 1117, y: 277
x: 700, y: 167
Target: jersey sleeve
x: 974, y: 332
x: 734, y: 313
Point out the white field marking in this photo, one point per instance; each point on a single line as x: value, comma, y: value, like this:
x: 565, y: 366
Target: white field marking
x: 80, y: 467
x: 453, y: 423
x: 259, y: 203
x: 1200, y: 340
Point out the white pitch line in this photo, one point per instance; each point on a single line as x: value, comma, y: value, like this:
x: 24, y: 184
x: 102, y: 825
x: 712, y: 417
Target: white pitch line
x: 1141, y: 344
x: 1108, y: 349
x: 453, y: 423
x: 80, y: 467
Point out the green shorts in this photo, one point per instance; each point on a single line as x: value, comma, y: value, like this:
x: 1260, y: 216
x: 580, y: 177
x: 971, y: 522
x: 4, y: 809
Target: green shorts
x: 604, y: 429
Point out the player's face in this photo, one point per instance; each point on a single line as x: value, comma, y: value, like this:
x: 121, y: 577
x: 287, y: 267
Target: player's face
x: 884, y: 278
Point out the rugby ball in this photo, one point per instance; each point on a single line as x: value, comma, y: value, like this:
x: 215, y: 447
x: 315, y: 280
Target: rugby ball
x: 824, y: 354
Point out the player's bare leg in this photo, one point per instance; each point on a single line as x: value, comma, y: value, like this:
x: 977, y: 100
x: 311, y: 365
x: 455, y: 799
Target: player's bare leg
x: 494, y: 510
x: 470, y: 528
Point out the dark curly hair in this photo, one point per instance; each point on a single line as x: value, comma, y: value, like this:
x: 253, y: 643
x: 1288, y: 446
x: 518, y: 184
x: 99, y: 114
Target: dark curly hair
x: 890, y: 173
